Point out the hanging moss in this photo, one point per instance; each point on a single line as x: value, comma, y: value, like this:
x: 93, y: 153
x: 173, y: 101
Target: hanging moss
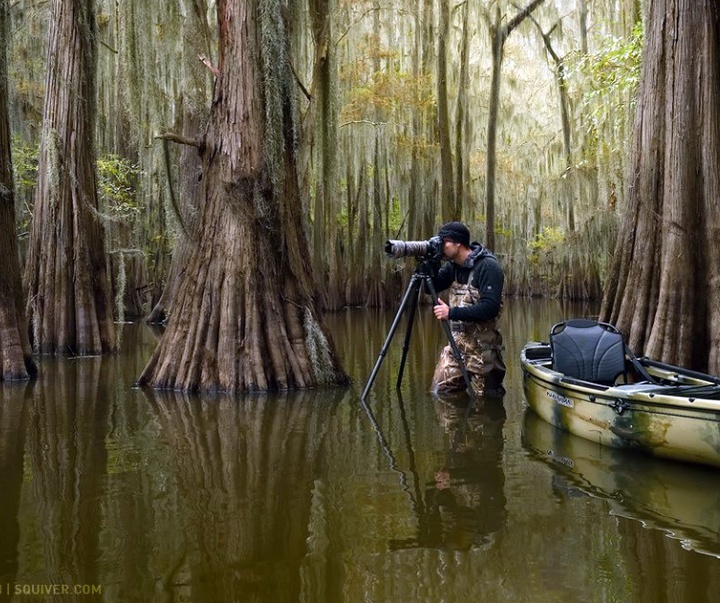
x: 121, y: 283
x: 379, y: 85
x: 318, y: 348
x: 278, y: 99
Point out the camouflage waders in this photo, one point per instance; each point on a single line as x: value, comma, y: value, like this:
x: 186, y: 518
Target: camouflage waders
x: 480, y: 344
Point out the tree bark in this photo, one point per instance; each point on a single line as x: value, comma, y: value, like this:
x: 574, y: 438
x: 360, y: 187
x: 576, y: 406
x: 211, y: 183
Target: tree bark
x: 663, y: 290
x: 565, y: 104
x: 245, y: 317
x: 582, y: 13
x: 422, y: 200
x: 69, y: 304
x: 328, y: 264
x: 187, y: 212
x: 15, y: 352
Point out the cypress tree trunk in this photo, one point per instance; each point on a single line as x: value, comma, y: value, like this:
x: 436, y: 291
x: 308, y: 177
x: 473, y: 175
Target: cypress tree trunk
x: 69, y: 304
x: 328, y: 262
x: 663, y: 289
x: 422, y: 206
x: 15, y: 353
x: 245, y: 317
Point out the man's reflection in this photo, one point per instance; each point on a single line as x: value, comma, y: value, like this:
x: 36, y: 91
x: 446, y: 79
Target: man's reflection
x: 465, y: 502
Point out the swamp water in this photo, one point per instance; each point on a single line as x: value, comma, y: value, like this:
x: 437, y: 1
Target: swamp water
x: 109, y: 493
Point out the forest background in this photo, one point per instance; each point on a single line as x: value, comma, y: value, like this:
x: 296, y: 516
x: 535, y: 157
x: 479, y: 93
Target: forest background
x: 395, y: 110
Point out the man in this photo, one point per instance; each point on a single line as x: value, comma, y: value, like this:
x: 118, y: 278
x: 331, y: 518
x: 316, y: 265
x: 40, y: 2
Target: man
x: 476, y: 279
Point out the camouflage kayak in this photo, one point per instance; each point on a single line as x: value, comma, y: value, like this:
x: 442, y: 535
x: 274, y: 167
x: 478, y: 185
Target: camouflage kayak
x: 587, y: 382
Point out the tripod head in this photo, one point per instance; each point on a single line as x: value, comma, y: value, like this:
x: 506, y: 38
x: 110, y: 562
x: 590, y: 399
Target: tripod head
x: 428, y: 267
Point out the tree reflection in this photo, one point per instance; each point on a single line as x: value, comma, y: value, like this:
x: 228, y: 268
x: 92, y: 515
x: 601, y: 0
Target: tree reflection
x: 245, y: 472
x: 67, y: 461
x: 13, y: 419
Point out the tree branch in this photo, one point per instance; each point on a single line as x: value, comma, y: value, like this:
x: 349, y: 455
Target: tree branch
x: 171, y: 136
x: 520, y: 17
x: 206, y: 61
x: 303, y: 89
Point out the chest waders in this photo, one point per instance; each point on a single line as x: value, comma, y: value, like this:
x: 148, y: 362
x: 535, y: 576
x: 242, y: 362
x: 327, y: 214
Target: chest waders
x: 480, y: 344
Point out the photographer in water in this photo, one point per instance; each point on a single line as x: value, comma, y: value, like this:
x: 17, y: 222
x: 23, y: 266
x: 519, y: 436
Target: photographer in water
x: 475, y: 279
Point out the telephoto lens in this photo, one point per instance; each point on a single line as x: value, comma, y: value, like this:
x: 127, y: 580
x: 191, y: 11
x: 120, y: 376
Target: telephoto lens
x: 402, y: 249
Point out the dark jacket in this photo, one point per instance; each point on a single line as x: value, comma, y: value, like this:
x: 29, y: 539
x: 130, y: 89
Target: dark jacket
x: 481, y: 270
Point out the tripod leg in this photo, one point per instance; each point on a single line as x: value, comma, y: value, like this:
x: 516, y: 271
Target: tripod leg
x: 411, y: 319
x: 386, y: 345
x: 451, y: 340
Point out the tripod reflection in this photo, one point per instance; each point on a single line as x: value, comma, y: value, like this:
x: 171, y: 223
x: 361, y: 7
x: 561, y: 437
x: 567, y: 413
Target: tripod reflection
x: 463, y: 505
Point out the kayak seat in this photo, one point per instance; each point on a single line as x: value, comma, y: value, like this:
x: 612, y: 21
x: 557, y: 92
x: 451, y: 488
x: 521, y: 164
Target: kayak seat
x: 588, y: 350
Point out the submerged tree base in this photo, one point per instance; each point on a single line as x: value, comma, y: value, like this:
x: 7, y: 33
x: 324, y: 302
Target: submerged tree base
x: 238, y: 323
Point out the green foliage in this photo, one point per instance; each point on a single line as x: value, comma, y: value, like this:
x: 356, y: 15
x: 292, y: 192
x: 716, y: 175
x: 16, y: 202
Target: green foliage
x: 25, y: 165
x: 25, y: 173
x: 396, y: 219
x: 545, y: 245
x: 116, y: 178
x: 543, y: 260
x: 610, y: 79
x: 117, y: 185
x: 615, y: 68
x: 503, y: 231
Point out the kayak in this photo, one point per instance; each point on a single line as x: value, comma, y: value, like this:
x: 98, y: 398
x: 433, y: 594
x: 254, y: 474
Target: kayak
x: 588, y: 382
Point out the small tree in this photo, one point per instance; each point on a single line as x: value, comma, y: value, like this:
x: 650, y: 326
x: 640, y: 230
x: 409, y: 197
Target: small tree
x: 500, y: 29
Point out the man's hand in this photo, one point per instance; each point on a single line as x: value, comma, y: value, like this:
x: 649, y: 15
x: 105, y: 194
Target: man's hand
x: 441, y: 310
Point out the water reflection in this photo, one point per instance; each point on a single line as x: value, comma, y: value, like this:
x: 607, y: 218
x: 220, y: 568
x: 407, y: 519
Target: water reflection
x: 308, y: 497
x: 464, y: 503
x: 245, y: 473
x: 66, y: 459
x: 13, y: 421
x: 680, y: 499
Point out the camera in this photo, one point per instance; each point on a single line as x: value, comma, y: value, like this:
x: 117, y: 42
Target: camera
x: 425, y: 250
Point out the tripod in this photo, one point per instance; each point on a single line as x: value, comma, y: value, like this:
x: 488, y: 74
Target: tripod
x: 423, y: 274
